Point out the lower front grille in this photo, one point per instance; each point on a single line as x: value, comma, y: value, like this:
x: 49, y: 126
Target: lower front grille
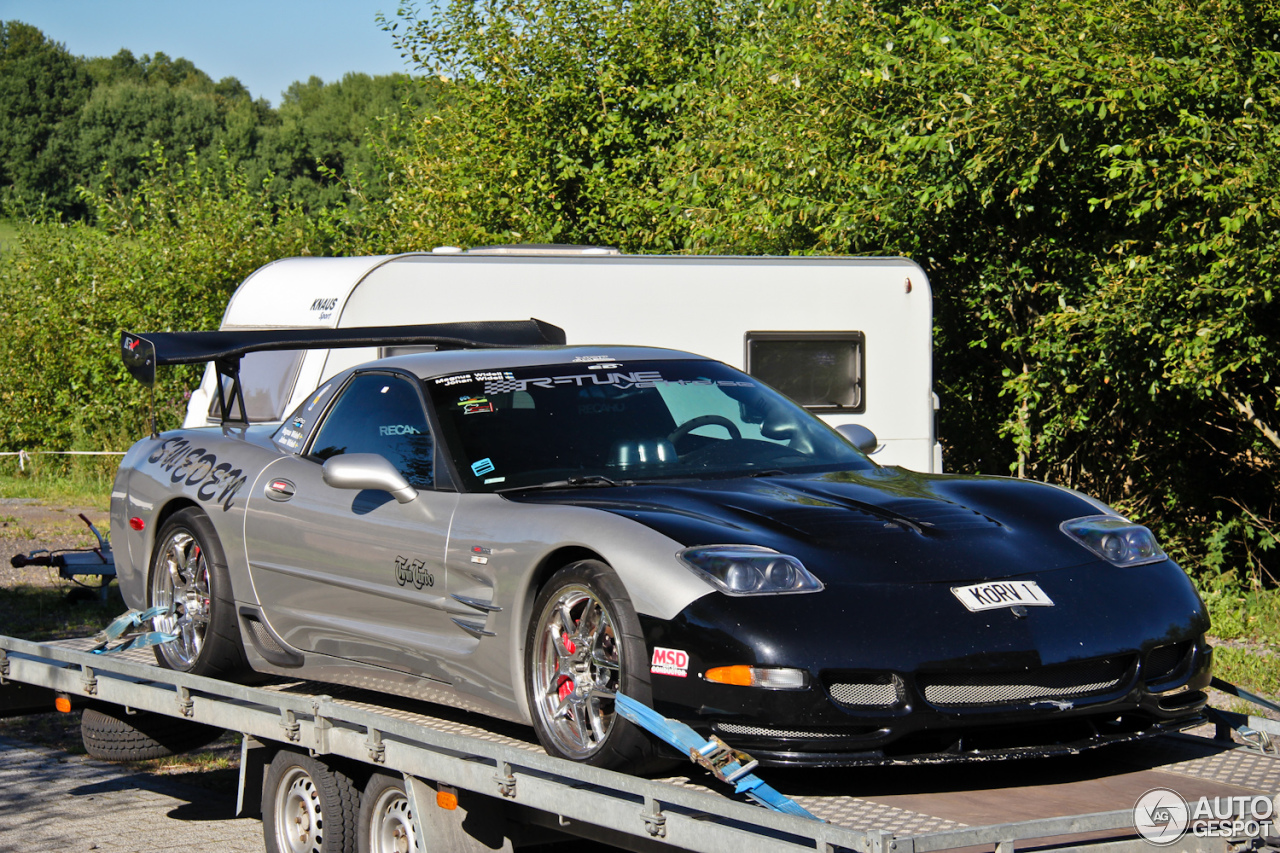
x: 762, y: 731
x: 865, y: 691
x: 1060, y: 681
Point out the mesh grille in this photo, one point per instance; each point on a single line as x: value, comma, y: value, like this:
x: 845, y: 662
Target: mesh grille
x: 263, y: 636
x: 1050, y: 682
x: 877, y: 693
x: 1163, y: 660
x: 760, y: 731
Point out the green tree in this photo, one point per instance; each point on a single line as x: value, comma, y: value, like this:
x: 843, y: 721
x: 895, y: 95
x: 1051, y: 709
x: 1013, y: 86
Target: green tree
x: 321, y: 139
x: 42, y: 88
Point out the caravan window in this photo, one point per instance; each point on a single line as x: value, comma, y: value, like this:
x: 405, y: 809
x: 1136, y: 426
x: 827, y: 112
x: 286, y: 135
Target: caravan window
x: 266, y: 379
x: 822, y: 371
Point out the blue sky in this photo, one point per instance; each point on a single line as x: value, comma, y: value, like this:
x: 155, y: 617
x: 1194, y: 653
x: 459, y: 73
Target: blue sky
x: 268, y: 44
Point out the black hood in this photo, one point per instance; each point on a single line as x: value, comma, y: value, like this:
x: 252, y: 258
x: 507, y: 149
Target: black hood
x: 884, y: 525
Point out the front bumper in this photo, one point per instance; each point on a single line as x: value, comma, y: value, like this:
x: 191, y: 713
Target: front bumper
x: 882, y: 689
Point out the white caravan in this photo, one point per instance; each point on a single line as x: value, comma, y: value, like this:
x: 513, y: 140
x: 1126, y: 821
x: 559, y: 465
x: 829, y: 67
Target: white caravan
x: 849, y: 338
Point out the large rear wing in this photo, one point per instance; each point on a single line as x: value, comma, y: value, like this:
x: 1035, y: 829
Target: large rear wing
x: 143, y: 353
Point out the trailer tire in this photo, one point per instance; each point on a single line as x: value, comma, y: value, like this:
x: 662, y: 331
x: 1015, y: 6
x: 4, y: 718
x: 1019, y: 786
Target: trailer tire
x: 572, y: 715
x: 386, y: 820
x: 189, y: 569
x: 308, y: 806
x: 111, y: 734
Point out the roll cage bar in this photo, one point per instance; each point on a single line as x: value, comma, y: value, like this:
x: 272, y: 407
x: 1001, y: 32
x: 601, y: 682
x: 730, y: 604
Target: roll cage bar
x: 143, y: 353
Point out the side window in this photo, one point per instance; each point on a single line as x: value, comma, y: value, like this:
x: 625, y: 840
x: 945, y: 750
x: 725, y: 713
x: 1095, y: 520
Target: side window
x: 383, y: 414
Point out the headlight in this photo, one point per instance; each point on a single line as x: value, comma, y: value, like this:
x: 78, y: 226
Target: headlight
x: 1117, y: 540
x: 749, y: 570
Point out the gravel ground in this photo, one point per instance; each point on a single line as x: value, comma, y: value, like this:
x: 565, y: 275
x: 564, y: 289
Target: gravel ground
x: 27, y: 524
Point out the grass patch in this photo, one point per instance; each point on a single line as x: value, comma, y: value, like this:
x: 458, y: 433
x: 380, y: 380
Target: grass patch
x: 50, y: 613
x: 77, y: 485
x: 1256, y: 670
x: 1246, y: 637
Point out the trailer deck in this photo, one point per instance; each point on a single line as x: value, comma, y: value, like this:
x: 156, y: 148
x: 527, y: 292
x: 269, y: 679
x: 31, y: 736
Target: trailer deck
x: 1084, y: 800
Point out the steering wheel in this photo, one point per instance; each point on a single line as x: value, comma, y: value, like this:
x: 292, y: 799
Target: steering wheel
x: 701, y: 421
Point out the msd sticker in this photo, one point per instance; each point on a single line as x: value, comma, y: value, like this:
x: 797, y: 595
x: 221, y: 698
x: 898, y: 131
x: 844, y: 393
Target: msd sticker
x: 669, y: 662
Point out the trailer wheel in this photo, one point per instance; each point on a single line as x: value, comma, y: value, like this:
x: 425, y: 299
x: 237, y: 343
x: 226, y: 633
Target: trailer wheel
x: 584, y: 644
x: 386, y: 821
x: 110, y: 734
x: 308, y: 806
x: 189, y: 571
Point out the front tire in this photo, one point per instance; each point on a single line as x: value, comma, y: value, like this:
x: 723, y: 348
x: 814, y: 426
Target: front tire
x: 189, y: 572
x: 584, y: 645
x: 308, y: 807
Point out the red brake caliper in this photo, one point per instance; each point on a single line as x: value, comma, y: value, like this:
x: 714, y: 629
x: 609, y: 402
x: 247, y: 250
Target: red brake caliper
x: 565, y: 685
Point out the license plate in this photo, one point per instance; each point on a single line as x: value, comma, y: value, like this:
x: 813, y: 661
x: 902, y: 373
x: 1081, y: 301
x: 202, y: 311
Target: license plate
x: 996, y: 594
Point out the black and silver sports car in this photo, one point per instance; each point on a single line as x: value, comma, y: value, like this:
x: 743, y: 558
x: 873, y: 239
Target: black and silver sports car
x: 526, y: 530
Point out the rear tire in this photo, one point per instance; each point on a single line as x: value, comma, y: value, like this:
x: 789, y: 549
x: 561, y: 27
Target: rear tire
x: 308, y: 806
x: 189, y: 571
x: 386, y: 821
x: 584, y: 644
x: 110, y: 734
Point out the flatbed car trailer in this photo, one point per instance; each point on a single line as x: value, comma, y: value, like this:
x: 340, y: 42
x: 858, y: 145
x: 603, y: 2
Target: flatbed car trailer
x: 474, y: 784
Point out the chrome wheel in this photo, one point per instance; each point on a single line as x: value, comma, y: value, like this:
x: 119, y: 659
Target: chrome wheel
x: 391, y: 823
x: 180, y: 580
x: 299, y: 821
x: 576, y: 670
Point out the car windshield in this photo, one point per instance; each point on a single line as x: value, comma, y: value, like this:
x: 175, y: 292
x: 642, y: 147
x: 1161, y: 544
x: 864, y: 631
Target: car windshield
x: 604, y: 422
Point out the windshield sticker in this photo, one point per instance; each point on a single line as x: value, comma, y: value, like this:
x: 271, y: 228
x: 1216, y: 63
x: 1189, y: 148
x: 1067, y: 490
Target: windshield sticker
x: 639, y: 379
x: 608, y: 365
x: 484, y: 466
x: 213, y: 481
x: 474, y: 405
x: 584, y: 358
x: 477, y: 376
x: 495, y: 480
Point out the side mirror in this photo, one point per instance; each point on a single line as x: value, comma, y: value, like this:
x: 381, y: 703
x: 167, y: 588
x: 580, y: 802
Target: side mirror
x: 859, y: 436
x: 367, y: 471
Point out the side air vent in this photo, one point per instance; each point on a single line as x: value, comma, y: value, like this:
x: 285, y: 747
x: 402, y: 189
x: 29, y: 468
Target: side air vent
x: 266, y: 642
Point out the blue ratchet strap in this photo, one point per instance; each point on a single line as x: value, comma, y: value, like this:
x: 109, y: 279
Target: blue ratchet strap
x: 125, y: 625
x: 728, y: 764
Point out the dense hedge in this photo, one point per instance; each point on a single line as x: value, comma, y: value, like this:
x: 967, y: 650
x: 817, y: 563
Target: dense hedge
x: 164, y: 258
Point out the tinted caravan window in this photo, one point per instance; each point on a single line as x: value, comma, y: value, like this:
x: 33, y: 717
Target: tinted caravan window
x: 822, y: 371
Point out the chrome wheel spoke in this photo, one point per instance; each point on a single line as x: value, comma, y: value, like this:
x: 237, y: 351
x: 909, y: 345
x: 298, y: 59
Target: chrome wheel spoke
x: 580, y: 728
